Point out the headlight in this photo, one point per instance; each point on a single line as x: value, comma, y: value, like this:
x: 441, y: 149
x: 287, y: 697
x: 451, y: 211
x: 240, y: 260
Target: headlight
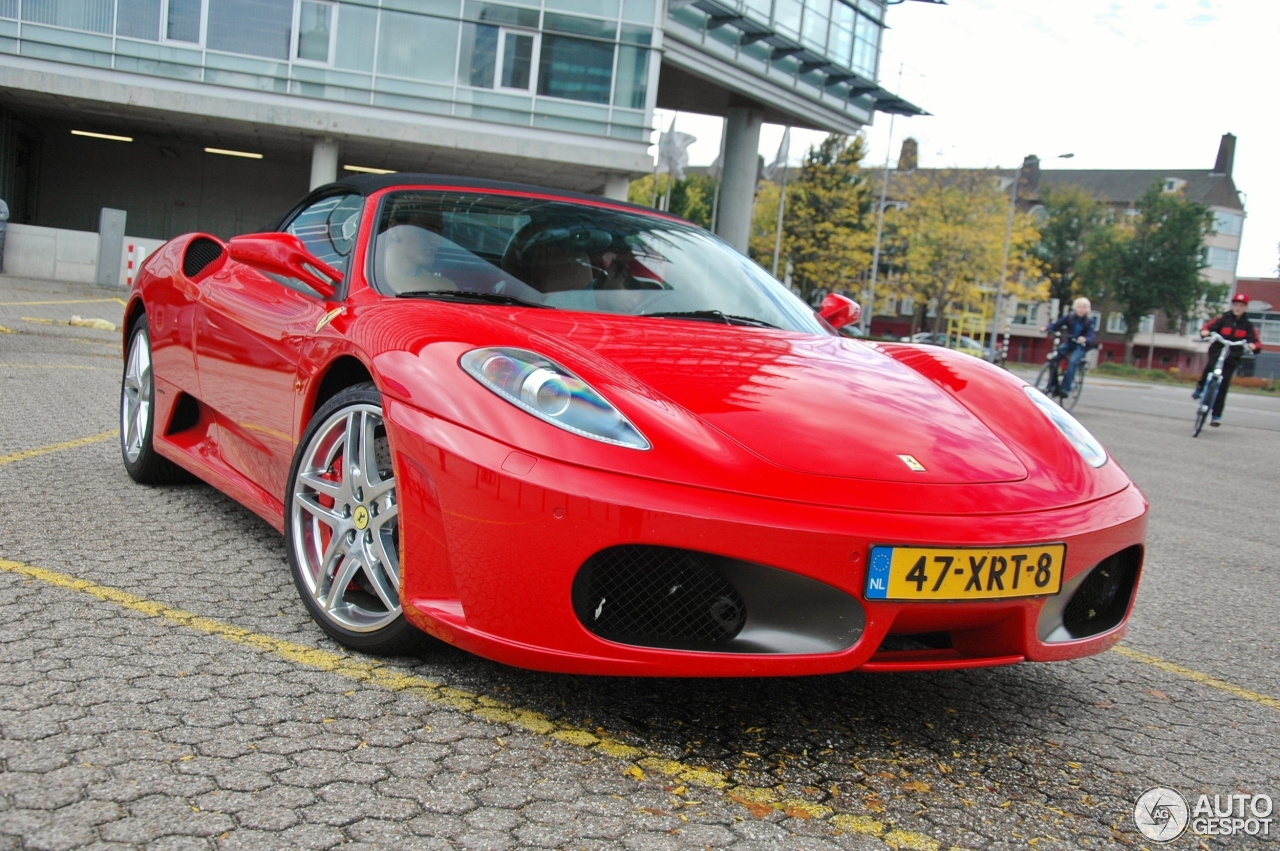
x: 551, y: 393
x: 1086, y: 444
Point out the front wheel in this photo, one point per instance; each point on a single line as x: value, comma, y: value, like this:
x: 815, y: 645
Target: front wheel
x: 1047, y: 380
x: 342, y: 524
x: 1206, y: 405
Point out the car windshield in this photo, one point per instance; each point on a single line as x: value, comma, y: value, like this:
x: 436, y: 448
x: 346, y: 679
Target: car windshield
x: 510, y: 249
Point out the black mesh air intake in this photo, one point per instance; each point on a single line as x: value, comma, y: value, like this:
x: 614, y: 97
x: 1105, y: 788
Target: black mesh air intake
x: 201, y: 251
x: 1102, y: 599
x: 657, y: 597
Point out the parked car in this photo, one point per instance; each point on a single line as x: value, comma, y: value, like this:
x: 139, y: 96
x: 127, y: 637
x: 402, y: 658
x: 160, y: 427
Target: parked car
x: 577, y: 435
x: 961, y: 343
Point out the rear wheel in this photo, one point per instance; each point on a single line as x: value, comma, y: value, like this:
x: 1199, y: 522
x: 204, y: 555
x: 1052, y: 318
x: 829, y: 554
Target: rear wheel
x: 1206, y: 405
x: 1069, y: 402
x: 137, y: 415
x: 342, y: 526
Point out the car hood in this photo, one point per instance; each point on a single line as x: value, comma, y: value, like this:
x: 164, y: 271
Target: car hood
x: 816, y: 405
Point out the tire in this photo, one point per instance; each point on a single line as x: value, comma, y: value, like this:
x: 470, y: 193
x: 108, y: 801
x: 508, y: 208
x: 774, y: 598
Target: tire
x: 138, y: 415
x: 1044, y: 379
x: 1078, y: 385
x: 342, y: 526
x: 1206, y: 405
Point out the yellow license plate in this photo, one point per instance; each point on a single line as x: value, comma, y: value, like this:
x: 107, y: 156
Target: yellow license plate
x: 964, y: 573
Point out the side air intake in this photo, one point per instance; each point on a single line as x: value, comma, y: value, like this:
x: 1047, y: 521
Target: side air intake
x: 1094, y: 601
x: 201, y: 251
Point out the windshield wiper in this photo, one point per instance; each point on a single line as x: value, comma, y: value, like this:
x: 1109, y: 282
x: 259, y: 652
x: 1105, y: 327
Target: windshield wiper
x: 713, y: 316
x: 472, y: 298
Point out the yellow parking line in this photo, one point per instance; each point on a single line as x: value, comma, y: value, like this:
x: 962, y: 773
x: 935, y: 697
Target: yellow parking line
x: 53, y: 366
x: 481, y: 707
x: 118, y: 301
x: 58, y: 447
x: 1197, y: 676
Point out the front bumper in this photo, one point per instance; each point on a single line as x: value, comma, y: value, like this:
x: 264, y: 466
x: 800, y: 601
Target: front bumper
x: 492, y: 540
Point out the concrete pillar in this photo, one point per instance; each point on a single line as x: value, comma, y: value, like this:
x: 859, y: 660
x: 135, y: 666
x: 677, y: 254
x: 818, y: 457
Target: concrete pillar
x: 616, y: 186
x: 324, y: 162
x: 738, y: 189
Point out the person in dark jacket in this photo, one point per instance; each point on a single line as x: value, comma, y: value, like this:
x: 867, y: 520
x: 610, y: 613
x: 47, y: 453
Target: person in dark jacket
x: 1233, y: 325
x: 1080, y: 332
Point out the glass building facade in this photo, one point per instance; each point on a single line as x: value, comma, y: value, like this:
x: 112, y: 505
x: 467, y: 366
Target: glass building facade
x: 581, y: 66
x: 827, y: 50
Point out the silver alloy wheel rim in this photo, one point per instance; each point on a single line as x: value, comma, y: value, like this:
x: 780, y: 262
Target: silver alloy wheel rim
x: 135, y: 401
x: 345, y: 521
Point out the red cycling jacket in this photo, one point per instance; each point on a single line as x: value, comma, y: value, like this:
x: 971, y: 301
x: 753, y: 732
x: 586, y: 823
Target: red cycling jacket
x: 1232, y: 327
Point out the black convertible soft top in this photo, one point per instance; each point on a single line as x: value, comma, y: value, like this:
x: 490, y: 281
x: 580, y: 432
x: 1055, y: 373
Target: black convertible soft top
x: 367, y: 184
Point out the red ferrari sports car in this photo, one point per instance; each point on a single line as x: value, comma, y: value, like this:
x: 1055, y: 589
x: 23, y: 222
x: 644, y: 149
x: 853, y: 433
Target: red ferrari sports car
x: 576, y: 435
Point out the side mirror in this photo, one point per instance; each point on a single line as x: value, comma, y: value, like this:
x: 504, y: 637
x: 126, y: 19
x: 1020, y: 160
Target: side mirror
x: 284, y: 254
x: 838, y: 310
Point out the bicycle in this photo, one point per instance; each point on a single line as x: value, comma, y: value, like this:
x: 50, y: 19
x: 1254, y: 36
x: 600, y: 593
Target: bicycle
x: 1214, y: 383
x: 1047, y: 380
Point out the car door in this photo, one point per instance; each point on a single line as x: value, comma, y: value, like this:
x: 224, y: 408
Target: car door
x: 251, y: 329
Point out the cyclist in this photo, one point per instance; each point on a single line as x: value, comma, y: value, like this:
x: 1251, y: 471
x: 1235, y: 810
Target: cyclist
x: 1233, y: 325
x: 1081, y: 332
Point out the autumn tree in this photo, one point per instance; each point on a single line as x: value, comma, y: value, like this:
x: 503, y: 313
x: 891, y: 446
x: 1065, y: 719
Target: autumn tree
x: 1069, y: 224
x: 764, y: 223
x: 950, y: 225
x: 692, y: 198
x: 828, y: 228
x: 1152, y: 261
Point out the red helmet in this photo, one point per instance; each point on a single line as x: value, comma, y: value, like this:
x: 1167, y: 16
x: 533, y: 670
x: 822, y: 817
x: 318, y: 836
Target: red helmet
x: 1240, y: 297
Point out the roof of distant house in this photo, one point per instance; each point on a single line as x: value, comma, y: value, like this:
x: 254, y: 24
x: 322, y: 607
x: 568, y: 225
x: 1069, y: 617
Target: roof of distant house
x: 1125, y: 186
x: 1118, y: 185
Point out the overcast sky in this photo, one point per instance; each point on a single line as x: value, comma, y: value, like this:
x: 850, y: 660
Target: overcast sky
x: 1118, y: 83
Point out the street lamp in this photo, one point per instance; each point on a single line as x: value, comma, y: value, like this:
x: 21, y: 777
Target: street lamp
x: 1008, y: 238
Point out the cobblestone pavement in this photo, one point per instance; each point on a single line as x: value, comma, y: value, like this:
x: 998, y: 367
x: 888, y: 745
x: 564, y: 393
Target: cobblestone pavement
x: 161, y: 686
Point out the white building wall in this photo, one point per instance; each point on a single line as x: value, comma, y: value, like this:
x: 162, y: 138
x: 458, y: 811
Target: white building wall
x: 55, y: 254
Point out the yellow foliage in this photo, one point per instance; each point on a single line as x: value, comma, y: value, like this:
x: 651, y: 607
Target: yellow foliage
x: 949, y: 235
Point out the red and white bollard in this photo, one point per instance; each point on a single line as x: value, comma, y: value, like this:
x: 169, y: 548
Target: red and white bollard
x: 135, y: 257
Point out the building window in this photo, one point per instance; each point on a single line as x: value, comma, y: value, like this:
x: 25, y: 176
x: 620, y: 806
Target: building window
x: 138, y: 19
x: 182, y: 20
x: 498, y: 57
x: 632, y: 78
x: 417, y: 47
x: 575, y: 68
x: 1116, y: 323
x: 515, y: 60
x: 840, y: 44
x: 1220, y: 258
x: 315, y: 31
x: 1269, y: 329
x: 866, y: 48
x: 1226, y: 223
x: 91, y: 15
x: 256, y: 27
x: 786, y: 17
x: 759, y: 9
x: 817, y: 15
